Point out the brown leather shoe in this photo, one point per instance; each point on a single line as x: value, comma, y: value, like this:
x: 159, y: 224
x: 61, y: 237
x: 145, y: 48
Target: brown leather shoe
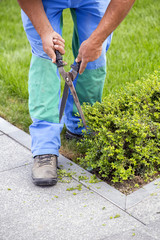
x: 70, y: 136
x: 44, y: 171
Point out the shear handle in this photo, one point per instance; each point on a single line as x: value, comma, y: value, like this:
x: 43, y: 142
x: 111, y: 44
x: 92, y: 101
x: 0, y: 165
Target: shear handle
x: 59, y: 59
x: 76, y: 67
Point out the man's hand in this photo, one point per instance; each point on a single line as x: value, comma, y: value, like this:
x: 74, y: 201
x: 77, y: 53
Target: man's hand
x: 88, y: 52
x: 52, y: 41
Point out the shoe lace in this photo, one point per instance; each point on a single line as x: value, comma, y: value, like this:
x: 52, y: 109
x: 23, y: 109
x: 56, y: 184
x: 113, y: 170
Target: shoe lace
x: 45, y: 160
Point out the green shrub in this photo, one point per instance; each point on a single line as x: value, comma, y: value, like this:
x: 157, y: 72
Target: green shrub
x: 126, y: 132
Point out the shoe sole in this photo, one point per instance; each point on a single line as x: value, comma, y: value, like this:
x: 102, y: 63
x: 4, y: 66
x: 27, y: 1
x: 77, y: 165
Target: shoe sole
x: 71, y: 136
x: 44, y: 182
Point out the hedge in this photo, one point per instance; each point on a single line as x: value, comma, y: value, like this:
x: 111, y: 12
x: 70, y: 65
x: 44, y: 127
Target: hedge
x: 124, y: 136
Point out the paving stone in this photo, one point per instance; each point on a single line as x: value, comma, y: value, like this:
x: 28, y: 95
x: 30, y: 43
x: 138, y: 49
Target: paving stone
x: 154, y: 228
x: 136, y: 197
x: 142, y: 193
x: 135, y: 234
x: 15, y: 133
x: 7, y: 127
x: 13, y: 154
x: 102, y: 188
x: 152, y: 186
x: 31, y: 212
x: 149, y: 209
x: 21, y: 137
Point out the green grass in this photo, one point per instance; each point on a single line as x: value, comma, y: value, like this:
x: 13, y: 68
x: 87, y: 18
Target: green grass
x: 135, y: 47
x: 133, y: 53
x: 14, y: 109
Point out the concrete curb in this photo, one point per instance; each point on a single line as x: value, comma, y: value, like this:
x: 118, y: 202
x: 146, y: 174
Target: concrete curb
x: 84, y: 177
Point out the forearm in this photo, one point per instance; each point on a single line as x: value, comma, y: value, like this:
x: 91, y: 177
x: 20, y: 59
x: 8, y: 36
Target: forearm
x: 115, y: 13
x: 51, y: 40
x: 91, y: 49
x: 35, y: 11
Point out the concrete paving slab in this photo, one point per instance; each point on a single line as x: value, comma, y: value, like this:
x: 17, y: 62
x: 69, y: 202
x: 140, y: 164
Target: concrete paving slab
x: 31, y: 212
x: 154, y: 229
x: 15, y: 133
x: 20, y: 179
x: 21, y: 137
x: 135, y: 234
x: 136, y: 197
x: 102, y: 188
x: 7, y: 127
x: 12, y: 154
x: 149, y: 209
x: 142, y: 193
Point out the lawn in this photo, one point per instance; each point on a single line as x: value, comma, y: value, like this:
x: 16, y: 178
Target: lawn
x: 134, y: 52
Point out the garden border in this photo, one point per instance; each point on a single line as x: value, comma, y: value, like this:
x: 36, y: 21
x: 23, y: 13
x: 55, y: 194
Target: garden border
x: 103, y: 189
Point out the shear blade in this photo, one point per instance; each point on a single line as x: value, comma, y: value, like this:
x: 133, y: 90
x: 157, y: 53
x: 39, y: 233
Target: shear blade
x: 76, y: 100
x: 63, y: 102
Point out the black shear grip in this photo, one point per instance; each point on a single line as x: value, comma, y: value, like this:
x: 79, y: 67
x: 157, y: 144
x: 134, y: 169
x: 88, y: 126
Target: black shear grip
x: 59, y: 59
x: 76, y: 66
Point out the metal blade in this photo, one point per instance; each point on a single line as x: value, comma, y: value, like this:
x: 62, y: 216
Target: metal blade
x: 69, y: 77
x: 62, y: 72
x: 63, y: 102
x: 76, y: 100
x: 74, y: 74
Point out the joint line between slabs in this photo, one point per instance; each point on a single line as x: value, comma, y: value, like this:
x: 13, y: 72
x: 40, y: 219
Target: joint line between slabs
x: 16, y: 141
x: 136, y: 218
x: 124, y: 210
x: 6, y: 170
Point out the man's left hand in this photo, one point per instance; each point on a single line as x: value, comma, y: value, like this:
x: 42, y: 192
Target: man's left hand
x: 88, y: 52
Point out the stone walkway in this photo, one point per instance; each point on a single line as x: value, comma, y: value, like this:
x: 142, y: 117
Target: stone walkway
x: 96, y: 211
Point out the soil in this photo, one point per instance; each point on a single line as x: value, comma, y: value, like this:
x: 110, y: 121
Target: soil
x: 129, y: 186
x: 126, y: 187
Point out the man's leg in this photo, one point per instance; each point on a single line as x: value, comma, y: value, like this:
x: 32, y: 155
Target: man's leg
x: 44, y: 92
x: 44, y: 87
x: 89, y: 85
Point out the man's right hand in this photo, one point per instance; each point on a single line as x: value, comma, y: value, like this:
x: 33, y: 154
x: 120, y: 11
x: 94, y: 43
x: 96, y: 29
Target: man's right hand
x: 53, y: 41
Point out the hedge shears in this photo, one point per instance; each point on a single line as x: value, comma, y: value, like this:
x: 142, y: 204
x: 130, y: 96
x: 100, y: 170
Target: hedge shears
x: 69, y: 78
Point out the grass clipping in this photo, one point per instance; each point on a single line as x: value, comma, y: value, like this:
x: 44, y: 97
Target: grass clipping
x: 124, y: 138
